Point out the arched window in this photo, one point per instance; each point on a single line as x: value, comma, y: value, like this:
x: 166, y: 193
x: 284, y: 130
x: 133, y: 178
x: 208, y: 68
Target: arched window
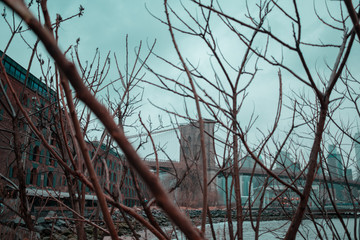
x: 53, y: 139
x: 36, y: 153
x: 50, y: 179
x: 33, y: 176
x: 64, y: 180
x: 51, y: 160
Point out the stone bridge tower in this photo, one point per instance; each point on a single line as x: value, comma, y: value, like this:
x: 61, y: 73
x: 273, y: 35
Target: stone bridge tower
x: 190, y: 146
x: 190, y: 156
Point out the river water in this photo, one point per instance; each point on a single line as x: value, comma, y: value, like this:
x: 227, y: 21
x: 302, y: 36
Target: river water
x: 270, y: 230
x: 277, y: 229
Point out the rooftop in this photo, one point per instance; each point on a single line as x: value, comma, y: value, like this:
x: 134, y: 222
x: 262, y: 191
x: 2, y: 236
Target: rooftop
x: 19, y: 73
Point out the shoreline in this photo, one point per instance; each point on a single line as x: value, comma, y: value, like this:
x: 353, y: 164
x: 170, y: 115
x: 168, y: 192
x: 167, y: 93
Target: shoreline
x: 64, y: 229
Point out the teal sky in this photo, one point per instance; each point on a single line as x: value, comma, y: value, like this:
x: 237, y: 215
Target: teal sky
x: 105, y: 25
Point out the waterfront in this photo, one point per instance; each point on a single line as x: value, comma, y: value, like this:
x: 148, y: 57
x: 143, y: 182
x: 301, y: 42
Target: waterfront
x: 276, y: 229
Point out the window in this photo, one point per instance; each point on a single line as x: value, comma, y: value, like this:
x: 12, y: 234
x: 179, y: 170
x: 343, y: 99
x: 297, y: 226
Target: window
x: 50, y: 178
x: 33, y: 176
x: 17, y: 74
x: 35, y: 155
x: 12, y: 70
x: 30, y: 82
x: 50, y: 159
x: 6, y: 65
x: 14, y: 172
x: 52, y: 142
x: 64, y: 180
x: 35, y: 86
x: 22, y: 77
x: 38, y: 182
x: 53, y: 139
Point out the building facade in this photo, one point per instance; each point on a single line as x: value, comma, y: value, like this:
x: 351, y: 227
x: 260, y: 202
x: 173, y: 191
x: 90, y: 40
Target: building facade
x: 40, y: 168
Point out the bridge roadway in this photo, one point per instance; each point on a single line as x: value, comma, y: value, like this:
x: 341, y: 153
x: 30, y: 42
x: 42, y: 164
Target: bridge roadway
x: 167, y: 166
x: 164, y: 165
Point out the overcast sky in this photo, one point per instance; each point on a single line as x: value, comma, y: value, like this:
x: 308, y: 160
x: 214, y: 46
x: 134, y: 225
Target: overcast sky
x: 105, y: 24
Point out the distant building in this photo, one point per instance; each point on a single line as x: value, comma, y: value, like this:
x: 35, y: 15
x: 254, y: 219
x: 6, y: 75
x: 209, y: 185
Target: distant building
x: 247, y: 162
x: 357, y: 149
x: 334, y: 162
x: 286, y: 162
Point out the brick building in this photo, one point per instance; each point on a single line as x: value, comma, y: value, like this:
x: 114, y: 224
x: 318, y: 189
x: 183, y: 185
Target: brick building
x: 41, y: 170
